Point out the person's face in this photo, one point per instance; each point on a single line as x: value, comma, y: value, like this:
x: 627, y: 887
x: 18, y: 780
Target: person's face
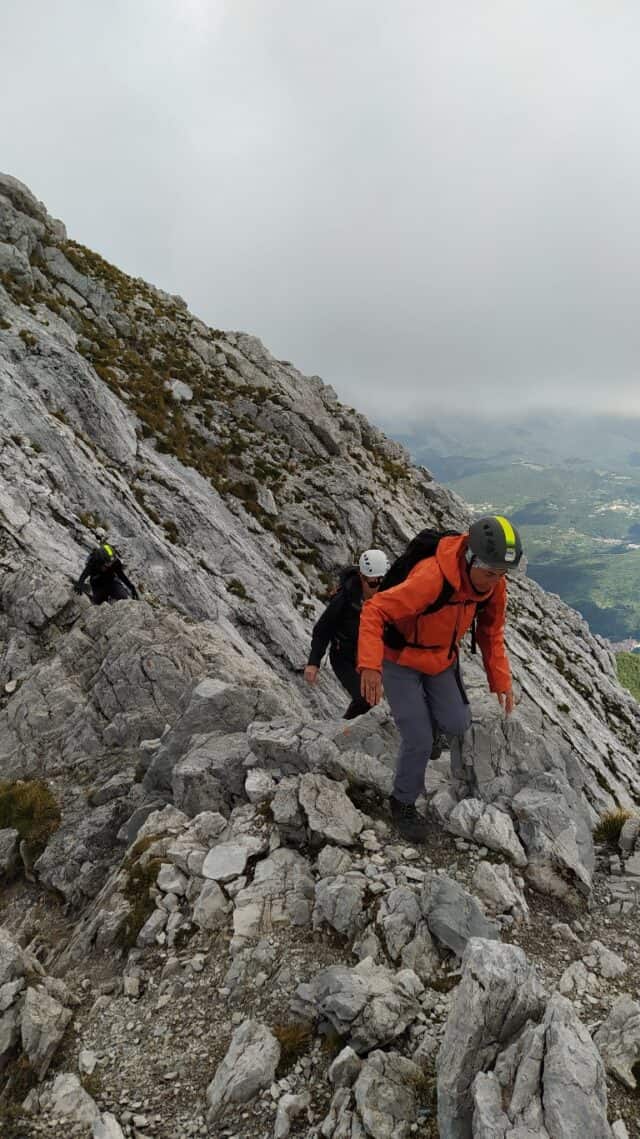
x: 483, y: 579
x: 370, y: 586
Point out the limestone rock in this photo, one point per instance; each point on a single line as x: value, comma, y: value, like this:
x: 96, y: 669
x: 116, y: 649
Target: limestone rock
x: 9, y: 1034
x: 382, y: 1103
x: 557, y: 836
x: 398, y: 916
x: 618, y: 1040
x: 282, y: 892
x: 495, y: 830
x: 339, y: 903
x: 249, y: 1065
x: 259, y: 786
x: 225, y: 861
x: 212, y: 907
x: 42, y: 1027
x: 369, y: 1005
x: 330, y: 813
x: 9, y: 851
x: 289, y: 1108
x: 107, y: 1127
x: 619, y: 1130
x: 385, y: 1095
x: 333, y: 860
x: 489, y: 1120
x: 498, y: 993
x: 421, y: 955
x: 12, y: 959
x: 287, y: 812
x: 575, y: 981
x: 604, y: 961
x: 454, y: 916
x: 344, y: 1070
x: 495, y: 887
x: 629, y: 834
x: 69, y: 1099
x: 574, y: 1086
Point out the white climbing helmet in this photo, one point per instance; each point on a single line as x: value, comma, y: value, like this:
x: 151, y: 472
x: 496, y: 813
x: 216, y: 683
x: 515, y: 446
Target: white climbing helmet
x: 373, y: 563
x: 100, y: 533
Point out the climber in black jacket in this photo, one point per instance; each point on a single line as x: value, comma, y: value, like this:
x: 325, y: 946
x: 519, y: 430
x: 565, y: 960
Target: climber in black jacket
x: 339, y: 626
x: 106, y: 574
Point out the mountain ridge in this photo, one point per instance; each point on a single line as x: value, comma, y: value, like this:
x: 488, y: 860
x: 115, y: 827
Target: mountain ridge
x: 176, y: 732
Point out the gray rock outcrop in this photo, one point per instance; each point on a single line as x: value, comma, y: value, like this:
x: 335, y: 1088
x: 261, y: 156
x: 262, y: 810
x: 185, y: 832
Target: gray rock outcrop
x: 369, y: 1004
x: 499, y: 992
x: 618, y: 1040
x: 454, y: 916
x: 249, y: 1065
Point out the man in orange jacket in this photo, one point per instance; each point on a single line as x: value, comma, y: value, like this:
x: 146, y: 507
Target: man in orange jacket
x: 422, y: 677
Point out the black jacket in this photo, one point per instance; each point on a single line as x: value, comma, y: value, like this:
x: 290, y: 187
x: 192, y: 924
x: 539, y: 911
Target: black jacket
x: 101, y: 571
x: 340, y: 622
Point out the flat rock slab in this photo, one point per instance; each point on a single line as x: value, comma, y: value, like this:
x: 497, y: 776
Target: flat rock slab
x: 226, y: 861
x: 331, y: 815
x: 454, y: 916
x: 249, y: 1065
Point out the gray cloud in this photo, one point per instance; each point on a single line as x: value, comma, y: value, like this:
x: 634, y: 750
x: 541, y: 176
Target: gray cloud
x: 421, y: 201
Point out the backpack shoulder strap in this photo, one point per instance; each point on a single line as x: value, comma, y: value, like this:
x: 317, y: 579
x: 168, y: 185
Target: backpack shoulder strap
x: 474, y: 624
x: 443, y: 598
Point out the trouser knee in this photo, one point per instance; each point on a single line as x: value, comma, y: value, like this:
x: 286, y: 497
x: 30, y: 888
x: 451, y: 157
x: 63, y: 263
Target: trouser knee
x: 456, y: 721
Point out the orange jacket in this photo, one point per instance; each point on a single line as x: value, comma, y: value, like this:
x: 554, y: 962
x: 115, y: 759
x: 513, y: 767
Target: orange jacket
x: 437, y: 633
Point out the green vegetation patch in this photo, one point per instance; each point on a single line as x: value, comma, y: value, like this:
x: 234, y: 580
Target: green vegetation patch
x: 30, y: 808
x: 137, y: 891
x: 629, y: 672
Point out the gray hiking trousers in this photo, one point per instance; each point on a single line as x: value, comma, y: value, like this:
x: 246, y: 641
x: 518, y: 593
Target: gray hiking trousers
x: 421, y: 705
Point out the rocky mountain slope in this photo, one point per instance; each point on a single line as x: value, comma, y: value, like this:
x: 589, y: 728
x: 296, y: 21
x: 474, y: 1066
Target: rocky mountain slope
x: 218, y: 932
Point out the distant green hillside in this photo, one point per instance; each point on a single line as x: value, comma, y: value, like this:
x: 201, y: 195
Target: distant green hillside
x: 580, y: 528
x: 572, y: 485
x: 629, y: 672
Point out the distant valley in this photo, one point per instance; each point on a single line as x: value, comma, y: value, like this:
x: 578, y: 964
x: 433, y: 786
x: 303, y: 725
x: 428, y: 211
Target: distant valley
x: 572, y: 485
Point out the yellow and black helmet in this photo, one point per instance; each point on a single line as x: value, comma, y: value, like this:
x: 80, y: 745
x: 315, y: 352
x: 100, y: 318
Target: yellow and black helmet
x: 495, y: 542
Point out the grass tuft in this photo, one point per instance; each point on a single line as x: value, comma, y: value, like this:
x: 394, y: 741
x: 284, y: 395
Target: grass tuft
x: 30, y: 808
x: 294, y: 1038
x: 609, y: 826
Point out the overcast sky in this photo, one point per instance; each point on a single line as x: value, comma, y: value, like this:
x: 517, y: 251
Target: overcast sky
x: 424, y: 201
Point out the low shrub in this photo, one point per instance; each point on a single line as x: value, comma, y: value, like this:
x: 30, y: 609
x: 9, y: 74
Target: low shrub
x: 30, y: 808
x: 294, y: 1038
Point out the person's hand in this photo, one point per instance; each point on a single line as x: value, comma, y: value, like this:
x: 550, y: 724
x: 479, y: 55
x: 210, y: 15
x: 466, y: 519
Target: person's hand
x: 506, y: 701
x: 311, y: 673
x: 371, y: 686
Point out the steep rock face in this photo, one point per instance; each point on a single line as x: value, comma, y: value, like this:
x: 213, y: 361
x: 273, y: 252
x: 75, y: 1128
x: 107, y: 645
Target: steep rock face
x: 235, y: 487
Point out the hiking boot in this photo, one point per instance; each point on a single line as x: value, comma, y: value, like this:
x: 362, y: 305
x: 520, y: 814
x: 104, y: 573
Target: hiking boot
x: 411, y: 825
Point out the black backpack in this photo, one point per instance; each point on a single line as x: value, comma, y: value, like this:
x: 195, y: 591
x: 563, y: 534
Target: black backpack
x: 424, y: 545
